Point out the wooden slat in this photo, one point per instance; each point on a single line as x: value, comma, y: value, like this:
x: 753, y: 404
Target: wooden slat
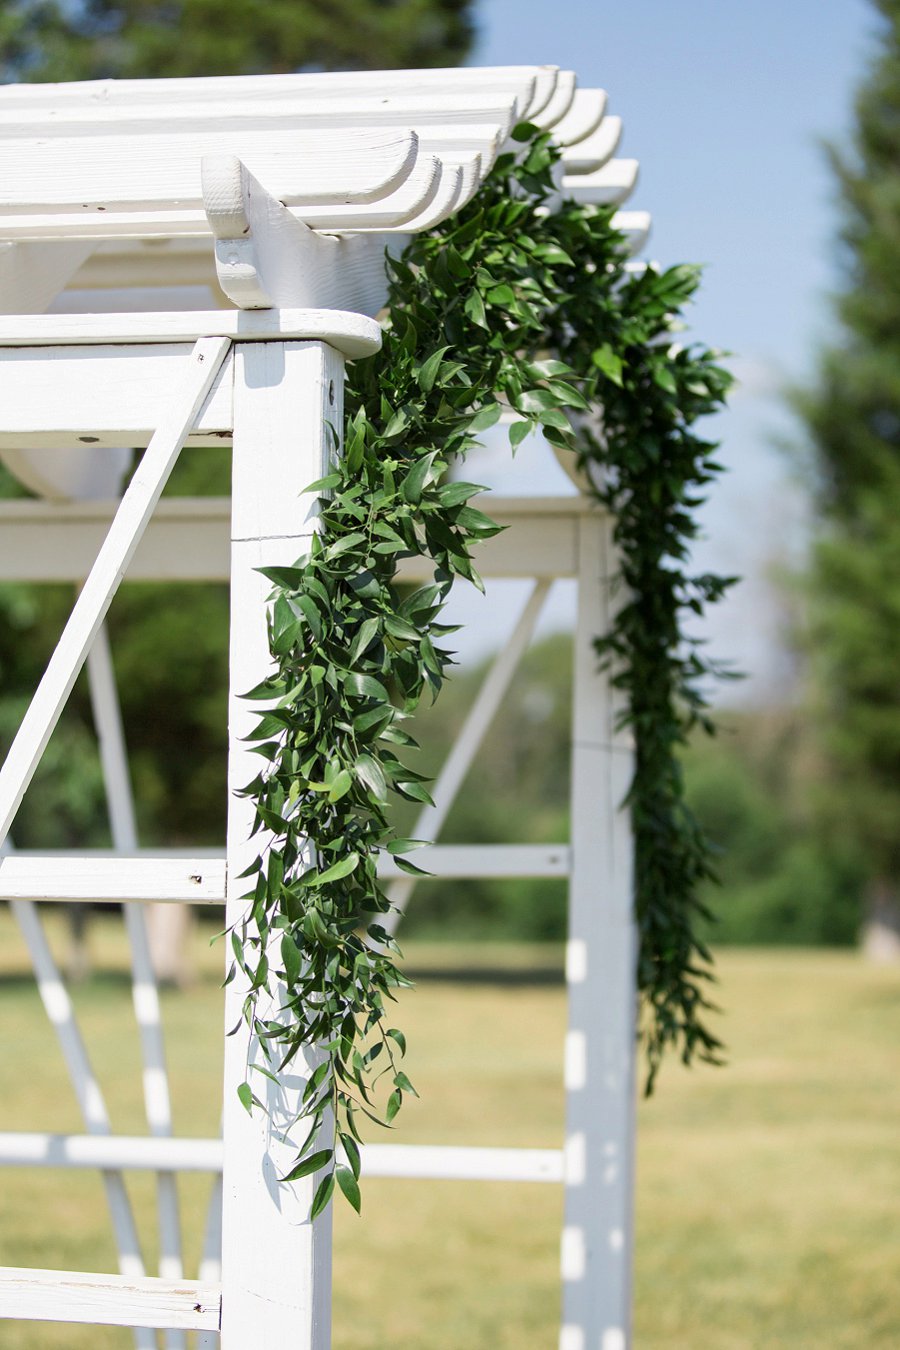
x: 461, y: 861
x: 107, y: 1300
x: 187, y: 539
x: 106, y: 880
x: 352, y: 334
x: 437, y: 1162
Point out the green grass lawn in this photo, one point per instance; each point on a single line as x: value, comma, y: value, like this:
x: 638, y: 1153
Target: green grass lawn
x: 768, y: 1192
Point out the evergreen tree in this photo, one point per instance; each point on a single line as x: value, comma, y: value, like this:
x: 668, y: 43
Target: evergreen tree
x: 95, y: 39
x: 853, y: 416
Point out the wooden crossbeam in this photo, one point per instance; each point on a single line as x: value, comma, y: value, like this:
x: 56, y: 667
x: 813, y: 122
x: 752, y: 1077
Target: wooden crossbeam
x: 103, y: 879
x: 108, y: 1300
x: 137, y: 1153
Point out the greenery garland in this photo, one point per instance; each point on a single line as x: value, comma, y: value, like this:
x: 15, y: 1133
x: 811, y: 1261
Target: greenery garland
x: 525, y: 300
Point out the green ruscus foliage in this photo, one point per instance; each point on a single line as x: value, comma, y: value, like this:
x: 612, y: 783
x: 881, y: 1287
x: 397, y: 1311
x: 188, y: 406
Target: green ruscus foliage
x: 520, y: 299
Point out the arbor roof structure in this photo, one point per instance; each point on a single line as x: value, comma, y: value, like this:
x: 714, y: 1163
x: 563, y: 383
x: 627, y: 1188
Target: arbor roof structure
x: 187, y: 262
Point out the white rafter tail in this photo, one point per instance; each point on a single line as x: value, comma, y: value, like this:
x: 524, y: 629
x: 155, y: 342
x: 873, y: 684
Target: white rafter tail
x: 545, y: 78
x: 583, y: 118
x: 268, y: 259
x: 446, y: 200
x: 461, y: 757
x: 559, y: 102
x: 609, y: 186
x: 635, y: 225
x: 394, y: 212
x: 593, y: 152
x: 90, y: 608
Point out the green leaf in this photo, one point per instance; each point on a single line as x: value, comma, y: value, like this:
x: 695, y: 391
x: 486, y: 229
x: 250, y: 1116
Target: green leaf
x: 413, y: 484
x: 474, y: 308
x: 350, y: 1186
x: 290, y: 955
x: 322, y: 1196
x: 351, y: 1148
x: 314, y: 1162
x: 245, y: 1096
x: 342, y: 868
x: 611, y: 365
x: 486, y: 417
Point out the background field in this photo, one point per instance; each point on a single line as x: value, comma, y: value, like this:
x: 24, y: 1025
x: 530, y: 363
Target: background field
x: 768, y: 1196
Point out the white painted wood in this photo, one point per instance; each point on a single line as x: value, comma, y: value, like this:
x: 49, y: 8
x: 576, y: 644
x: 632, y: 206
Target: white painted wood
x: 74, y: 1296
x: 596, y: 1252
x: 68, y: 102
x: 114, y: 171
x: 437, y: 1162
x: 33, y: 273
x: 443, y: 1163
x: 201, y: 881
x: 458, y: 763
x: 90, y: 608
x: 187, y: 539
x: 583, y: 118
x: 93, y: 400
x: 608, y: 186
x: 559, y: 103
x: 145, y: 995
x: 276, y: 1265
x: 352, y: 334
x: 591, y: 153
x: 130, y: 1153
x: 106, y: 880
x: 266, y: 257
x: 459, y: 861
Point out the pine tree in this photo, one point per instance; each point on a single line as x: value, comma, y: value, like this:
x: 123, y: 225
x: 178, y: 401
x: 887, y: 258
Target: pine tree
x: 853, y: 416
x: 95, y: 39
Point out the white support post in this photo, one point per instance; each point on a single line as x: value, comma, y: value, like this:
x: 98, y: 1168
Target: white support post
x: 276, y: 1265
x: 600, y: 970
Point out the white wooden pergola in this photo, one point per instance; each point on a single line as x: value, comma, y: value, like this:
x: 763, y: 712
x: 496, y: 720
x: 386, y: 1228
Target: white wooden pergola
x: 188, y: 263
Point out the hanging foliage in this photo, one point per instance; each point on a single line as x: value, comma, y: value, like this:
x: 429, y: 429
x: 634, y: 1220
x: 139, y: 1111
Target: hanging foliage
x: 520, y: 300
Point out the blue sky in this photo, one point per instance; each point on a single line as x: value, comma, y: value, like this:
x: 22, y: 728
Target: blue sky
x: 725, y: 104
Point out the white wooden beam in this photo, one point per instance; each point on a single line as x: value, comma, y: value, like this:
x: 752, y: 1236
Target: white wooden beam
x: 68, y: 879
x: 352, y: 334
x: 434, y: 1162
x: 106, y: 1300
x: 105, y: 880
x: 187, y: 540
x: 596, y: 1252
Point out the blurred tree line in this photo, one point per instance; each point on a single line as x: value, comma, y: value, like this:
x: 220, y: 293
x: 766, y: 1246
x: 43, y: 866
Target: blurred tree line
x: 853, y: 418
x: 141, y: 39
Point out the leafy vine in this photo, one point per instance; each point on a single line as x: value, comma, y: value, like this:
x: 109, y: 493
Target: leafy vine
x: 526, y: 301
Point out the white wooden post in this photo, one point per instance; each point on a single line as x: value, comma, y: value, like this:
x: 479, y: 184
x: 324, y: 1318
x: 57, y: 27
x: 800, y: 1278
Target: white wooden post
x: 276, y: 1265
x: 600, y: 970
